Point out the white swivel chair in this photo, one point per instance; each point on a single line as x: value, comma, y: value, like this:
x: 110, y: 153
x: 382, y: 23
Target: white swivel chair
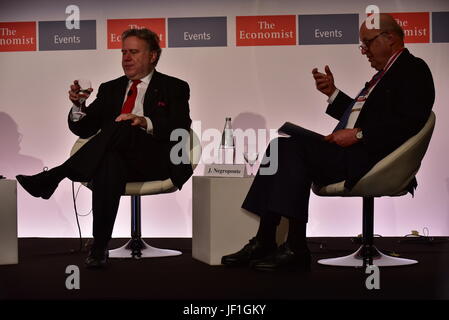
x: 389, y: 177
x: 137, y: 248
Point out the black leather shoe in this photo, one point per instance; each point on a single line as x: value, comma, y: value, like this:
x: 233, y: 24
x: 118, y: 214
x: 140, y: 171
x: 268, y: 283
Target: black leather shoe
x: 284, y: 259
x: 95, y: 261
x: 41, y: 185
x: 251, y: 251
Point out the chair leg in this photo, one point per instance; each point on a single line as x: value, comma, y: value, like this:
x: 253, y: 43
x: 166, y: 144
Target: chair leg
x: 137, y: 248
x: 367, y: 254
x: 368, y: 251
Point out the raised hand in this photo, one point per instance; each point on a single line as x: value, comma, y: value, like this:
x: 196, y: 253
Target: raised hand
x: 324, y: 82
x: 77, y: 96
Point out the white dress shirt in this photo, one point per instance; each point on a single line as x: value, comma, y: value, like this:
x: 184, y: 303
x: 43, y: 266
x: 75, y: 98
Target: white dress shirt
x: 138, y: 106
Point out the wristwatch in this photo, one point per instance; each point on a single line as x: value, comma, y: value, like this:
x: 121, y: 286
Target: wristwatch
x: 359, y: 135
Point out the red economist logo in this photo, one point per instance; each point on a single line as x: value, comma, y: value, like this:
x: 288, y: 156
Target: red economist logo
x: 117, y: 26
x: 265, y: 30
x: 17, y: 36
x: 415, y: 25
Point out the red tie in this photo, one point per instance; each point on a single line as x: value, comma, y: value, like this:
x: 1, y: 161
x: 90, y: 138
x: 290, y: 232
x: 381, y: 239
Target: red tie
x: 128, y: 106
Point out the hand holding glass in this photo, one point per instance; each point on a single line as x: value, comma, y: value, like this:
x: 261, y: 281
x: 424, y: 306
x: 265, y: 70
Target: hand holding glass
x: 85, y: 88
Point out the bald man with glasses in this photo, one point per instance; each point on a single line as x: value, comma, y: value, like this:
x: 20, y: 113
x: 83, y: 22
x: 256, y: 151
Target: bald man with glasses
x: 392, y: 107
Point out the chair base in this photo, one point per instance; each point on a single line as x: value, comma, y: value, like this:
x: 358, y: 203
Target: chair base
x: 137, y: 248
x: 356, y: 259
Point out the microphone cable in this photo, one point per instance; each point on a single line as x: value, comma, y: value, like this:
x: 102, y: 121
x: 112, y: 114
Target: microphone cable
x: 74, y: 196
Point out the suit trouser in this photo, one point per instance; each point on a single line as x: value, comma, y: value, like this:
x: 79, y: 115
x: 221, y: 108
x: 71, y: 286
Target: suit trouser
x: 119, y: 153
x: 301, y: 161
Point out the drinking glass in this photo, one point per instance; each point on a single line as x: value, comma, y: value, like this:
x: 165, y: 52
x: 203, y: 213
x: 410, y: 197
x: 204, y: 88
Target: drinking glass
x: 84, y: 85
x: 251, y: 159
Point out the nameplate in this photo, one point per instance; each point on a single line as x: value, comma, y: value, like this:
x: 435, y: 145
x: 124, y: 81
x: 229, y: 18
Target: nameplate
x: 225, y: 170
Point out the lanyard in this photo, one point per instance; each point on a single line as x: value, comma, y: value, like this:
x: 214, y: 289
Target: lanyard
x: 389, y: 63
x: 362, y: 95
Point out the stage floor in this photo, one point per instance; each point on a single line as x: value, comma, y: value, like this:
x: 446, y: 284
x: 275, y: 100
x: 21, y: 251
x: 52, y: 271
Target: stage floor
x: 41, y: 275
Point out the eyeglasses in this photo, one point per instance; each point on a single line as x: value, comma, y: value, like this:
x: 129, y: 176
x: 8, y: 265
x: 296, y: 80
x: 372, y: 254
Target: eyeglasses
x: 366, y: 44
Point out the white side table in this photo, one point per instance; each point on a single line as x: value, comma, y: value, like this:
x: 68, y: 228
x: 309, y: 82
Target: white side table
x: 220, y: 226
x: 8, y: 222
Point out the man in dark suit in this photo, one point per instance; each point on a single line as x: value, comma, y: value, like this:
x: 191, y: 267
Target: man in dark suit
x: 132, y: 119
x: 391, y: 108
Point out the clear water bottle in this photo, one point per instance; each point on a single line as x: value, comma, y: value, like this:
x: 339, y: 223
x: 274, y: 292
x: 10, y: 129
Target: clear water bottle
x: 227, y: 143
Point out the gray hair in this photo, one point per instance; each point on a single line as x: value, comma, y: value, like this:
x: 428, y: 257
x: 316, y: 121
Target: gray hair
x: 150, y: 37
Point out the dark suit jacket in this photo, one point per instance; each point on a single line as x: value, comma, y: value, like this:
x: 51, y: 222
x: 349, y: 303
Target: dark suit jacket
x: 396, y: 109
x: 165, y: 103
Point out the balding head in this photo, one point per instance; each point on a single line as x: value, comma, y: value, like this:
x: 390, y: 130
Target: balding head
x: 387, y: 24
x: 380, y: 44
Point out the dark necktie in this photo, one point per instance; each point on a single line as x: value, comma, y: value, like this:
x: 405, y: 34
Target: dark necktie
x: 345, y: 117
x: 128, y: 106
